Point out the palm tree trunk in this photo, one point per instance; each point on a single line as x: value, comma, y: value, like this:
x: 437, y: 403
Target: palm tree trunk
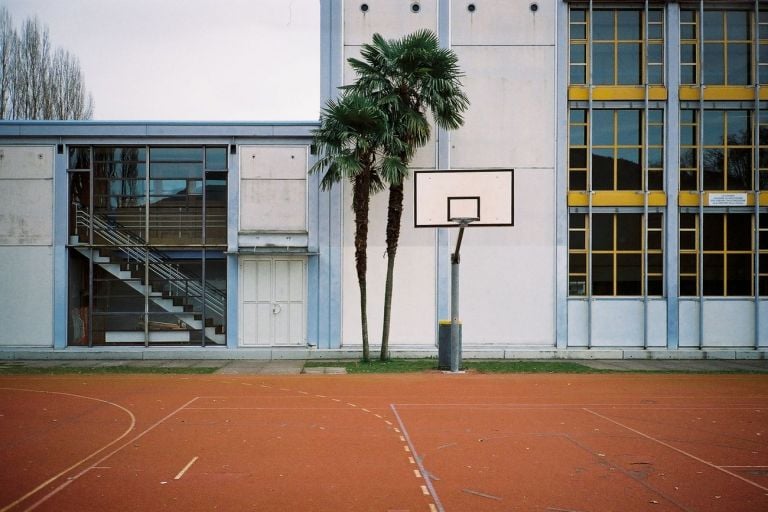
x: 394, y: 217
x: 361, y: 196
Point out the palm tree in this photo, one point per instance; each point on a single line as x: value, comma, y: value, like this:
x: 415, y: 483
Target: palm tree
x: 349, y: 140
x: 408, y: 78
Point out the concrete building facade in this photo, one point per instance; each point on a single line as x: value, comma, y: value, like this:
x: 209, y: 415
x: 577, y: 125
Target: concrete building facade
x: 637, y: 131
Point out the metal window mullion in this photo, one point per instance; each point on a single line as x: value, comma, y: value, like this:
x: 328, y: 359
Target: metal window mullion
x: 91, y: 203
x: 590, y: 125
x: 756, y: 174
x: 700, y: 165
x: 645, y: 182
x: 146, y: 255
x: 203, y: 294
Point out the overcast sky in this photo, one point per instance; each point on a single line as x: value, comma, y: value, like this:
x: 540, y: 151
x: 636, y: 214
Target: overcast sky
x: 222, y: 60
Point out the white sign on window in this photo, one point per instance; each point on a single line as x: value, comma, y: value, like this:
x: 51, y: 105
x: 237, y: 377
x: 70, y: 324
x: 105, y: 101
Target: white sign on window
x: 727, y: 199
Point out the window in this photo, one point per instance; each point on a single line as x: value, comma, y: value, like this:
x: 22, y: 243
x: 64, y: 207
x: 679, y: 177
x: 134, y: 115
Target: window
x: 763, y: 263
x: 617, y: 254
x: 727, y: 254
x: 727, y: 157
x: 617, y: 39
x: 727, y: 51
x: 618, y: 149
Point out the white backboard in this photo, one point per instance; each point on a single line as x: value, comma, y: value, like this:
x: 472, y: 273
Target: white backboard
x: 442, y: 197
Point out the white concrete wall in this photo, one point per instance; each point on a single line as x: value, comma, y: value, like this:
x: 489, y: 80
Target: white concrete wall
x: 273, y: 188
x: 26, y: 246
x: 727, y: 323
x: 507, y: 275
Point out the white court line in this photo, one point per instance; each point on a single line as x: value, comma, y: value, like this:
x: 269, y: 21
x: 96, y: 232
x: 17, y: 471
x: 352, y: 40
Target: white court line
x: 690, y: 455
x: 81, y: 461
x: 438, y: 505
x: 736, y: 407
x: 186, y: 468
x: 107, y: 456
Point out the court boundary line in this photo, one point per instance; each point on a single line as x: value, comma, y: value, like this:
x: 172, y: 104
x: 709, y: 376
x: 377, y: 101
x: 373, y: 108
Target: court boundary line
x: 679, y: 450
x: 424, y: 473
x: 81, y: 461
x: 110, y: 454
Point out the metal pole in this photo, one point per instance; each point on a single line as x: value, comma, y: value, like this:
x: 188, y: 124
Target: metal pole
x: 455, y: 334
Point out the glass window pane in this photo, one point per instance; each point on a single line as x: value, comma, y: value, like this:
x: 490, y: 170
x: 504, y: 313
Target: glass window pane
x: 630, y: 69
x: 603, y: 64
x: 629, y: 170
x: 740, y: 169
x: 577, y: 180
x: 739, y: 232
x: 655, y: 158
x: 654, y: 240
x: 713, y: 275
x: 687, y: 15
x: 602, y: 128
x: 79, y: 158
x: 654, y: 15
x: 688, y: 180
x: 688, y: 264
x: 687, y: 286
x: 602, y: 274
x: 655, y: 285
x: 216, y: 158
x: 713, y: 26
x: 688, y: 157
x: 714, y: 163
x: 579, y: 31
x: 577, y: 263
x: 713, y: 232
x: 655, y: 263
x: 739, y: 129
x: 688, y: 54
x: 578, y: 53
x: 602, y: 169
x: 181, y: 154
x: 688, y: 240
x: 688, y: 75
x: 655, y: 135
x: 629, y: 274
x: 602, y: 25
x: 578, y: 136
x: 176, y: 170
x: 687, y: 31
x: 577, y: 220
x: 739, y: 57
x: 578, y: 115
x: 714, y: 128
x: 577, y: 285
x: 688, y: 220
x: 576, y: 240
x: 629, y: 127
x: 655, y: 31
x: 578, y: 75
x: 739, y: 274
x: 602, y: 232
x: 629, y: 232
x: 578, y: 15
x: 737, y: 25
x: 655, y: 53
x: 578, y: 158
x: 629, y: 27
x: 655, y: 116
x: 714, y: 64
x: 687, y: 116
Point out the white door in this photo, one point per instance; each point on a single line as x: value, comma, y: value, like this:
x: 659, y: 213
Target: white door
x: 273, y: 309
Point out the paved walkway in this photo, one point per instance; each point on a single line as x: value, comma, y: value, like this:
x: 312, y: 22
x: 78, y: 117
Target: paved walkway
x: 295, y: 367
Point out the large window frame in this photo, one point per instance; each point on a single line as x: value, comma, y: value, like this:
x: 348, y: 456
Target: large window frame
x: 615, y: 254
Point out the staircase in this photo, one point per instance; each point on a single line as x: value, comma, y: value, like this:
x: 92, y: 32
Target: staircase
x: 166, y: 286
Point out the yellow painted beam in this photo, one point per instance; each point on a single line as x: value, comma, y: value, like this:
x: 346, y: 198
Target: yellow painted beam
x: 616, y: 198
x: 720, y: 92
x: 617, y: 93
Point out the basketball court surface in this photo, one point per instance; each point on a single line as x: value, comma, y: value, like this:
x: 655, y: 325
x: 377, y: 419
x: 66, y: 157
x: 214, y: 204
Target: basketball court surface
x: 392, y: 443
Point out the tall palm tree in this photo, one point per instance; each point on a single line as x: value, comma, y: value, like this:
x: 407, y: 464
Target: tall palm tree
x: 352, y: 131
x: 409, y: 78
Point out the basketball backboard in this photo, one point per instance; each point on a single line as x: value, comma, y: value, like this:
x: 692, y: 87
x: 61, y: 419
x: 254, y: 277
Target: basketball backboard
x: 444, y: 198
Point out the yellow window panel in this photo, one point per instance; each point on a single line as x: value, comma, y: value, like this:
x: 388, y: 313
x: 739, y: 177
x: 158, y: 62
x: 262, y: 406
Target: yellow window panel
x: 720, y: 92
x: 617, y: 93
x: 617, y: 198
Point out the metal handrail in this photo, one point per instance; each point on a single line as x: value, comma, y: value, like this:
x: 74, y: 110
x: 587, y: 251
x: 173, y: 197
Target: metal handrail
x: 160, y: 264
